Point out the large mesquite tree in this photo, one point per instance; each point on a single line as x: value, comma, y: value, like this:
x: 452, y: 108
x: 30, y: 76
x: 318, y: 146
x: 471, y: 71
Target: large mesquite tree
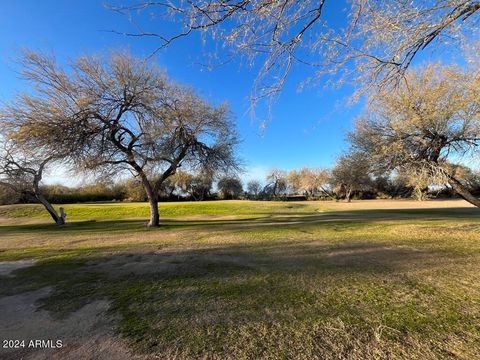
x: 123, y: 114
x: 429, y: 128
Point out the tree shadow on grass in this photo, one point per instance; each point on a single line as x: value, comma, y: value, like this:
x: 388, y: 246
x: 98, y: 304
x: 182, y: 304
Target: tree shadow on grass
x: 285, y: 257
x: 272, y: 220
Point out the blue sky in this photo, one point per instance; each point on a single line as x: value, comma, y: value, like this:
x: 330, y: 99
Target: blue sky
x: 307, y: 128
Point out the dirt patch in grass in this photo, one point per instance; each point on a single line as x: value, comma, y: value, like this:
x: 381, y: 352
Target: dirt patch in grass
x: 85, y: 334
x: 8, y: 267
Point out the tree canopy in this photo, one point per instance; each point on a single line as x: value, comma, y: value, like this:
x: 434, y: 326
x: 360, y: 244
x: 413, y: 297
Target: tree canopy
x: 428, y: 128
x: 122, y: 114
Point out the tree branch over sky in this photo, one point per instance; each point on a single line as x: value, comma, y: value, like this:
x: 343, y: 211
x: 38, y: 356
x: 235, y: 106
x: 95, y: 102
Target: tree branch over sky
x: 374, y: 42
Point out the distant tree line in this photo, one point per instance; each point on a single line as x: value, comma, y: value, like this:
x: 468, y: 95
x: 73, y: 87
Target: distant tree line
x: 349, y: 179
x: 182, y: 186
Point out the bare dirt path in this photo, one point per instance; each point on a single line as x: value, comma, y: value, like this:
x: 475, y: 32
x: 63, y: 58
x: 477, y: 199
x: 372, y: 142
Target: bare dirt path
x: 27, y: 332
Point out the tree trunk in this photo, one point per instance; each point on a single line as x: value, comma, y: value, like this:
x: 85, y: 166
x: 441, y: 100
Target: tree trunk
x: 152, y: 195
x: 59, y: 220
x: 348, y: 195
x: 461, y: 190
x: 154, y: 213
x: 37, y: 194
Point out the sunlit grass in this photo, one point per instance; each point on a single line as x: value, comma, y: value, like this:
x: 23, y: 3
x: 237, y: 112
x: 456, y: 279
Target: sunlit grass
x: 103, y: 211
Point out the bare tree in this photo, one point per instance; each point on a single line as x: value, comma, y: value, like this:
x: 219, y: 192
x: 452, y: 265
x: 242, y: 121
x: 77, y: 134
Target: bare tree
x: 230, y: 187
x: 123, y: 114
x: 294, y: 181
x: 254, y: 187
x: 315, y: 181
x: 379, y: 38
x: 22, y: 172
x: 196, y: 186
x: 277, y: 181
x: 351, y: 173
x: 428, y: 128
x: 8, y: 195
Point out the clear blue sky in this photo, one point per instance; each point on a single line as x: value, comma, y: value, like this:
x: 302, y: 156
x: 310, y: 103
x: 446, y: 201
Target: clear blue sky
x: 307, y: 128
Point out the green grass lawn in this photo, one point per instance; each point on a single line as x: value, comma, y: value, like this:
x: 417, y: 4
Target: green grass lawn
x: 274, y: 280
x: 114, y: 211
